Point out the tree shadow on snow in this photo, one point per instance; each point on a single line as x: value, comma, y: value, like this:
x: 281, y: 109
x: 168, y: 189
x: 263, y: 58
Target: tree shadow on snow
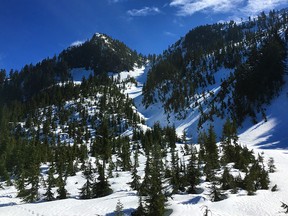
x: 193, y: 201
x: 273, y: 141
x: 7, y: 204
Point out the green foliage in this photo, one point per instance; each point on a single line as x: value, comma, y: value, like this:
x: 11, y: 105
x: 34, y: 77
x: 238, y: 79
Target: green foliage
x: 265, y: 65
x: 49, y: 195
x: 193, y: 172
x: 119, y: 209
x: 227, y: 180
x: 101, y: 187
x: 86, y: 190
x: 215, y: 193
x: 271, y: 165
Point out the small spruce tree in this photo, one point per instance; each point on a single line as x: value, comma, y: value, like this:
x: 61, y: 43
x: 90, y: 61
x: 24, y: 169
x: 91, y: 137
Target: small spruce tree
x: 119, y: 209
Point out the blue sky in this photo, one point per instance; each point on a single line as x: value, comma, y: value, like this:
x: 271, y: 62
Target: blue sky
x: 32, y: 30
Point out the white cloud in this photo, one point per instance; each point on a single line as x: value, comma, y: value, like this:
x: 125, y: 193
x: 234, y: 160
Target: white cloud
x: 237, y: 7
x: 254, y: 7
x: 189, y: 7
x: 76, y: 43
x: 144, y: 11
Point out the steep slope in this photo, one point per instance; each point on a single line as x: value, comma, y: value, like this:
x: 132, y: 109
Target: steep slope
x: 202, y: 80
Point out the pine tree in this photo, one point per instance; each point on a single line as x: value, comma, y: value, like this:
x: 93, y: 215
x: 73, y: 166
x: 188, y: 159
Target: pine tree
x: 33, y: 180
x: 86, y: 190
x: 271, y: 165
x: 211, y: 148
x: 140, y: 211
x: 175, y: 171
x: 20, y: 185
x: 155, y: 201
x: 110, y: 168
x: 119, y: 209
x: 146, y: 183
x: 135, y: 184
x: 49, y: 195
x: 125, y: 155
x: 215, y: 194
x: 28, y: 182
x: 62, y: 192
x: 227, y: 180
x: 101, y: 187
x: 228, y: 141
x: 193, y: 172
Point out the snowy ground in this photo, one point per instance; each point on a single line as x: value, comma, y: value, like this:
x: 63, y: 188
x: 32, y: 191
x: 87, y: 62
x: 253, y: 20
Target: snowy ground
x: 269, y: 137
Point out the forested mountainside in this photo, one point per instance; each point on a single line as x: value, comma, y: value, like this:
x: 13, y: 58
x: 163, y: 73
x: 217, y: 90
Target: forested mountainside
x: 253, y: 52
x: 101, y: 54
x: 63, y: 139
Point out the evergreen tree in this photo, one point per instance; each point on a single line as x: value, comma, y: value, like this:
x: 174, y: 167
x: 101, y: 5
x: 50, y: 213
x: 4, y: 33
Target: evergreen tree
x: 140, y: 211
x: 146, y: 183
x: 215, y: 194
x: 193, y: 173
x: 86, y: 190
x: 101, y: 187
x: 135, y: 184
x: 227, y: 180
x: 49, y: 195
x: 271, y: 165
x: 61, y: 183
x: 228, y: 141
x: 119, y: 209
x: 175, y: 171
x: 211, y: 148
x: 155, y: 201
x: 33, y: 180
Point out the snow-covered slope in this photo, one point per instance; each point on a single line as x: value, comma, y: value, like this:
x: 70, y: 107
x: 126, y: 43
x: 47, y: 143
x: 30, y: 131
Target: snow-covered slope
x: 269, y: 137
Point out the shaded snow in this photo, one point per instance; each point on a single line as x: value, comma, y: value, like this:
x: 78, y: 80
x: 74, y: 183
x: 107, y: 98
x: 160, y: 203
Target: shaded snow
x: 79, y: 73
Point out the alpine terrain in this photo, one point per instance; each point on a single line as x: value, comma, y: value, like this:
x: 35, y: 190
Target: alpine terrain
x: 199, y: 130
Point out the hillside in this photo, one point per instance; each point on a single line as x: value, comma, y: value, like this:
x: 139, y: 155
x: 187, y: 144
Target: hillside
x: 102, y: 130
x: 221, y: 70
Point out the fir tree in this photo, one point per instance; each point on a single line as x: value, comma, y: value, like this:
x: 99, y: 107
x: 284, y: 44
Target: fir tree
x: 227, y: 180
x: 271, y: 165
x: 49, y: 195
x: 155, y: 201
x: 175, y: 171
x: 215, y: 193
x: 140, y: 211
x: 135, y: 184
x: 101, y: 187
x: 193, y: 172
x: 61, y: 183
x: 86, y: 190
x: 119, y: 209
